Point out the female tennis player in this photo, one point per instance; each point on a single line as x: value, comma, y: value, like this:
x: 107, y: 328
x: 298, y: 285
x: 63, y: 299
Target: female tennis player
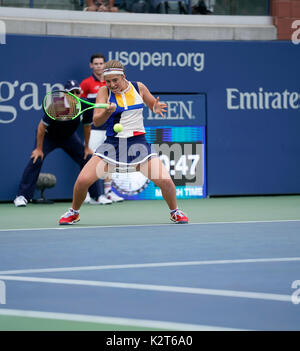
x: 128, y: 147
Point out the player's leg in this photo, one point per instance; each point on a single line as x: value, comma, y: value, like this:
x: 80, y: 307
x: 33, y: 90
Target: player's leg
x: 73, y: 146
x: 97, y: 138
x: 155, y: 170
x: 91, y: 172
x: 95, y: 169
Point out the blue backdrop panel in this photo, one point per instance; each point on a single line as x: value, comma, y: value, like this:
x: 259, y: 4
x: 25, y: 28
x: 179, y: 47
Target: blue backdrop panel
x: 252, y: 100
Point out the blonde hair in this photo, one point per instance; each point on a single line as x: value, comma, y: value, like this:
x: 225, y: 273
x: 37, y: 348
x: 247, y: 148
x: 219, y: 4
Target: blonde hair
x: 113, y: 64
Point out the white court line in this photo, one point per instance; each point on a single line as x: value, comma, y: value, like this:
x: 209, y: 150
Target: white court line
x: 68, y: 227
x: 113, y: 320
x: 151, y: 287
x: 150, y: 265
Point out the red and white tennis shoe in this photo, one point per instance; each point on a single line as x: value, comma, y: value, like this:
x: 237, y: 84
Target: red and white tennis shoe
x: 70, y: 217
x: 179, y: 217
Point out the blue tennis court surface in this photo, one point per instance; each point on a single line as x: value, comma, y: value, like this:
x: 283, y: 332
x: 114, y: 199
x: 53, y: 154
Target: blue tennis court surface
x: 206, y: 276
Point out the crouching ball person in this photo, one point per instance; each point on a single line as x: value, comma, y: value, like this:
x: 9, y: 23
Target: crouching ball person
x: 127, y: 148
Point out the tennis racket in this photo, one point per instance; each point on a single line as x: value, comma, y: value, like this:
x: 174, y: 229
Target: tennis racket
x: 61, y: 105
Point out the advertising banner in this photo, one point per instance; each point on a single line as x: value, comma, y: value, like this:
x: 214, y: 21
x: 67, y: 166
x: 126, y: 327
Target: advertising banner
x: 246, y: 94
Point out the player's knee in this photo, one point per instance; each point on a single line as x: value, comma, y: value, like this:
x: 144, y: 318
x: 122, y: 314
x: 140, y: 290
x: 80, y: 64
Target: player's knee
x: 82, y: 181
x: 165, y: 183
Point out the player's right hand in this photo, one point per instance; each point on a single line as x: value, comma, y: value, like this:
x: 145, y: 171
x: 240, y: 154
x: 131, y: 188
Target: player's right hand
x: 111, y: 108
x: 36, y: 153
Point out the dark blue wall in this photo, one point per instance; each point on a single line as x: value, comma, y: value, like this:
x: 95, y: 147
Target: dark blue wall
x: 251, y: 149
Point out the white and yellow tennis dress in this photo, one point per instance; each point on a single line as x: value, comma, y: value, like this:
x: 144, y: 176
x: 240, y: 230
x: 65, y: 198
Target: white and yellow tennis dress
x: 129, y: 147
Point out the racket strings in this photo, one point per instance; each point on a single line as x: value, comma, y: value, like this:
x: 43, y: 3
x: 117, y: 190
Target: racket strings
x: 61, y: 106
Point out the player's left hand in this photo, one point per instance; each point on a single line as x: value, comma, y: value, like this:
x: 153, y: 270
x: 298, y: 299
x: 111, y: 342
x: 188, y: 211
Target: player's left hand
x: 159, y: 107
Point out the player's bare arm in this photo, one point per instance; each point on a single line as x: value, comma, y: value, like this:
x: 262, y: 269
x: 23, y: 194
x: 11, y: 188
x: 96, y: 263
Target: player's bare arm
x: 153, y: 103
x: 101, y: 115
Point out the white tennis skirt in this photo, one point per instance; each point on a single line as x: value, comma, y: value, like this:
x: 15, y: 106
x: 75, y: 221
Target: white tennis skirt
x: 126, y: 151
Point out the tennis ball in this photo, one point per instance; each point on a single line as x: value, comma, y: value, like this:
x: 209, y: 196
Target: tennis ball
x: 118, y: 127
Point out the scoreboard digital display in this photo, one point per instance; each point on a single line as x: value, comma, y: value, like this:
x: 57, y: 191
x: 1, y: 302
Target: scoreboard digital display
x: 182, y: 151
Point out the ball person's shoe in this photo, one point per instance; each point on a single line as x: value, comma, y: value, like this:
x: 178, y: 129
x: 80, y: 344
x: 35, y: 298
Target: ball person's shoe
x: 178, y: 216
x: 20, y: 201
x: 87, y: 199
x: 70, y: 217
x: 114, y: 197
x: 102, y: 200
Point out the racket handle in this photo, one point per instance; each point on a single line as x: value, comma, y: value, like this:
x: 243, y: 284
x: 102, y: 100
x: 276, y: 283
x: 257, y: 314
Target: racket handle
x: 101, y: 105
